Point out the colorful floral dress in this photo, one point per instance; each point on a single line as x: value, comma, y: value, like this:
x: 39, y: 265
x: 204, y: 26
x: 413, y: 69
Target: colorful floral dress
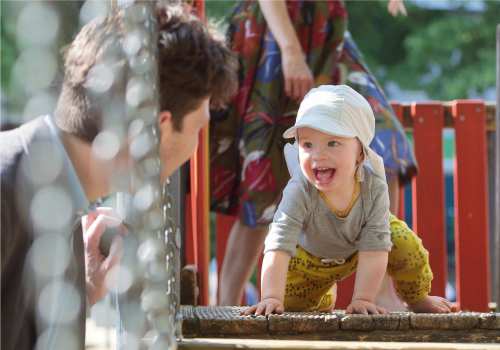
x: 248, y: 170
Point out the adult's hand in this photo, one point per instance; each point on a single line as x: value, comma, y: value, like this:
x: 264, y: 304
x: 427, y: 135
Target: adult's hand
x: 96, y: 264
x: 396, y: 7
x: 296, y: 74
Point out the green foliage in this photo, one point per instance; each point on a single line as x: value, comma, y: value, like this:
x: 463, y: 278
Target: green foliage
x: 446, y: 53
x: 13, y: 93
x: 219, y: 9
x: 8, y: 47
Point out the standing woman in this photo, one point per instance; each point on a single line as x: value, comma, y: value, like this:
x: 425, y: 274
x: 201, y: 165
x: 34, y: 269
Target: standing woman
x: 285, y: 48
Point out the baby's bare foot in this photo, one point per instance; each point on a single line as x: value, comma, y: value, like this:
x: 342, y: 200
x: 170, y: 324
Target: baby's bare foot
x: 433, y: 304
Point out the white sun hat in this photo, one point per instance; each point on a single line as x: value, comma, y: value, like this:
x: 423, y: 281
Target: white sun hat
x: 340, y: 111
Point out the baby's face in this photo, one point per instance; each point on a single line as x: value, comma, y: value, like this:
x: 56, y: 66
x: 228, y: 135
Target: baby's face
x: 328, y: 162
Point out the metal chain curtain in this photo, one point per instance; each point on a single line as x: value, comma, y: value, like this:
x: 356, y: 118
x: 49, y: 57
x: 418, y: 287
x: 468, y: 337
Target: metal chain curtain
x: 152, y: 214
x: 130, y: 62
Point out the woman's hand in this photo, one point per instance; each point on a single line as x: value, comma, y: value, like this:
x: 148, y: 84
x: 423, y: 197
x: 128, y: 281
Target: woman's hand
x: 297, y: 76
x: 396, y: 7
x: 266, y: 307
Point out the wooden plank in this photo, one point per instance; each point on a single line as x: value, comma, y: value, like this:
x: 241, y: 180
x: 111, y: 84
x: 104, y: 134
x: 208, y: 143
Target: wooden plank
x: 344, y: 292
x: 496, y: 214
x: 471, y: 209
x: 200, y: 211
x: 428, y: 189
x: 449, y: 122
x: 224, y: 322
x: 398, y: 110
x: 191, y: 249
x: 206, y: 344
x: 259, y: 273
x: 223, y: 224
x: 199, y: 229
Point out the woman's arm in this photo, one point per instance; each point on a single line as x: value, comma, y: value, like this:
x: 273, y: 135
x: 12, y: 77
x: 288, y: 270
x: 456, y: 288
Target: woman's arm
x: 279, y: 23
x: 297, y: 76
x: 273, y: 282
x: 369, y: 274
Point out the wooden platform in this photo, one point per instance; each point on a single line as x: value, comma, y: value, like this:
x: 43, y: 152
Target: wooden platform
x: 259, y: 344
x: 226, y: 322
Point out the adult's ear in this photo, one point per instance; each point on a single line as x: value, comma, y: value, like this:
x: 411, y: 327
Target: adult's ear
x: 165, y: 123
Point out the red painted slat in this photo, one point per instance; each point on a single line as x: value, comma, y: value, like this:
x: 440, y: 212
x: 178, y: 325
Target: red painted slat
x: 200, y: 212
x: 259, y: 273
x: 471, y: 209
x: 344, y: 292
x: 398, y: 110
x: 223, y: 224
x: 428, y: 188
x: 200, y: 223
x: 191, y: 249
x: 199, y: 7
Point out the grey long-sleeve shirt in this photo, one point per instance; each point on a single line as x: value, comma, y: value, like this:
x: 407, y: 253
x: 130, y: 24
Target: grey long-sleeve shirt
x: 304, y: 218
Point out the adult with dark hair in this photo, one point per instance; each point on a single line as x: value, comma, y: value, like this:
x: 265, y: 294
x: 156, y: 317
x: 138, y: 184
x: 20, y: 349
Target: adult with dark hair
x: 50, y: 175
x: 285, y: 48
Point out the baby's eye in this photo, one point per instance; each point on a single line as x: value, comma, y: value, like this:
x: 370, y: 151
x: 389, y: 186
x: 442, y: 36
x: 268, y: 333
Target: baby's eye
x: 307, y: 144
x: 333, y: 144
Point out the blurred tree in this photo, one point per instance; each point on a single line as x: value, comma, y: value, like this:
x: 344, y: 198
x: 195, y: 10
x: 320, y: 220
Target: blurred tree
x: 14, y: 95
x: 219, y: 10
x: 447, y: 53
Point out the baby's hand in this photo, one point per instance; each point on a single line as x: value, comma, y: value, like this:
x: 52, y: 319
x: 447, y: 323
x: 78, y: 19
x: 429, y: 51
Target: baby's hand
x: 266, y: 307
x: 359, y: 306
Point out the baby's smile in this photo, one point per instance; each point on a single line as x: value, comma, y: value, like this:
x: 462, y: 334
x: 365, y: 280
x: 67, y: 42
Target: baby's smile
x: 323, y: 175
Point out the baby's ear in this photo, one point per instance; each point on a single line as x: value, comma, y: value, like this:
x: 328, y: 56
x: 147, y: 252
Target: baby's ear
x: 361, y: 155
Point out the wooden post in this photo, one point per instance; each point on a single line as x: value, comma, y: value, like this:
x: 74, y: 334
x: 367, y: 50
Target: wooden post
x: 200, y: 212
x: 223, y: 226
x: 471, y: 209
x: 200, y: 208
x: 398, y: 110
x: 428, y: 209
x: 497, y: 180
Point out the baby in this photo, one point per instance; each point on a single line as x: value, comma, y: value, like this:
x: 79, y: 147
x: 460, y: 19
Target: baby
x: 334, y: 218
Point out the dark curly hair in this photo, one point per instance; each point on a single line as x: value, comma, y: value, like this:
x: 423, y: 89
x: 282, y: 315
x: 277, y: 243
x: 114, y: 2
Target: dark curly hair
x: 194, y: 63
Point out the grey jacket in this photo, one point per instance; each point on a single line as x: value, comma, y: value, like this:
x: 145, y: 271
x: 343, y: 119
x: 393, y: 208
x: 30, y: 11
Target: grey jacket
x: 43, y: 276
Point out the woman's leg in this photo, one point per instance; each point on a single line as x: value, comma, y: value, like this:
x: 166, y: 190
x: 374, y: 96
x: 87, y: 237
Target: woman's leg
x: 242, y: 252
x: 387, y: 296
x: 393, y: 184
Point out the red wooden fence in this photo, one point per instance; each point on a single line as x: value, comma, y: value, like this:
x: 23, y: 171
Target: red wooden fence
x: 197, y: 203
x: 471, y: 205
x: 470, y: 120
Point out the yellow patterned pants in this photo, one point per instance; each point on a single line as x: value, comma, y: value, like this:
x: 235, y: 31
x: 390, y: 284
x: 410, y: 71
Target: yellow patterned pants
x: 310, y: 284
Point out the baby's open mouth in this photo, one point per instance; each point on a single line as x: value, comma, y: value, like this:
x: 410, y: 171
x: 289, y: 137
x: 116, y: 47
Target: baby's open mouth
x: 323, y: 175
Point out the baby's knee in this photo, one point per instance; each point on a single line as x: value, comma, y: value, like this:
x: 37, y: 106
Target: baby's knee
x: 404, y: 239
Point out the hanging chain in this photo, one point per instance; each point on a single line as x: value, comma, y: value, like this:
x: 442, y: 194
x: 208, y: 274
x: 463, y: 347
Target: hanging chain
x: 159, y: 237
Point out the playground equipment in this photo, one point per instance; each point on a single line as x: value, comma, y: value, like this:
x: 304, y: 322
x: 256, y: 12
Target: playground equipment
x: 472, y: 121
